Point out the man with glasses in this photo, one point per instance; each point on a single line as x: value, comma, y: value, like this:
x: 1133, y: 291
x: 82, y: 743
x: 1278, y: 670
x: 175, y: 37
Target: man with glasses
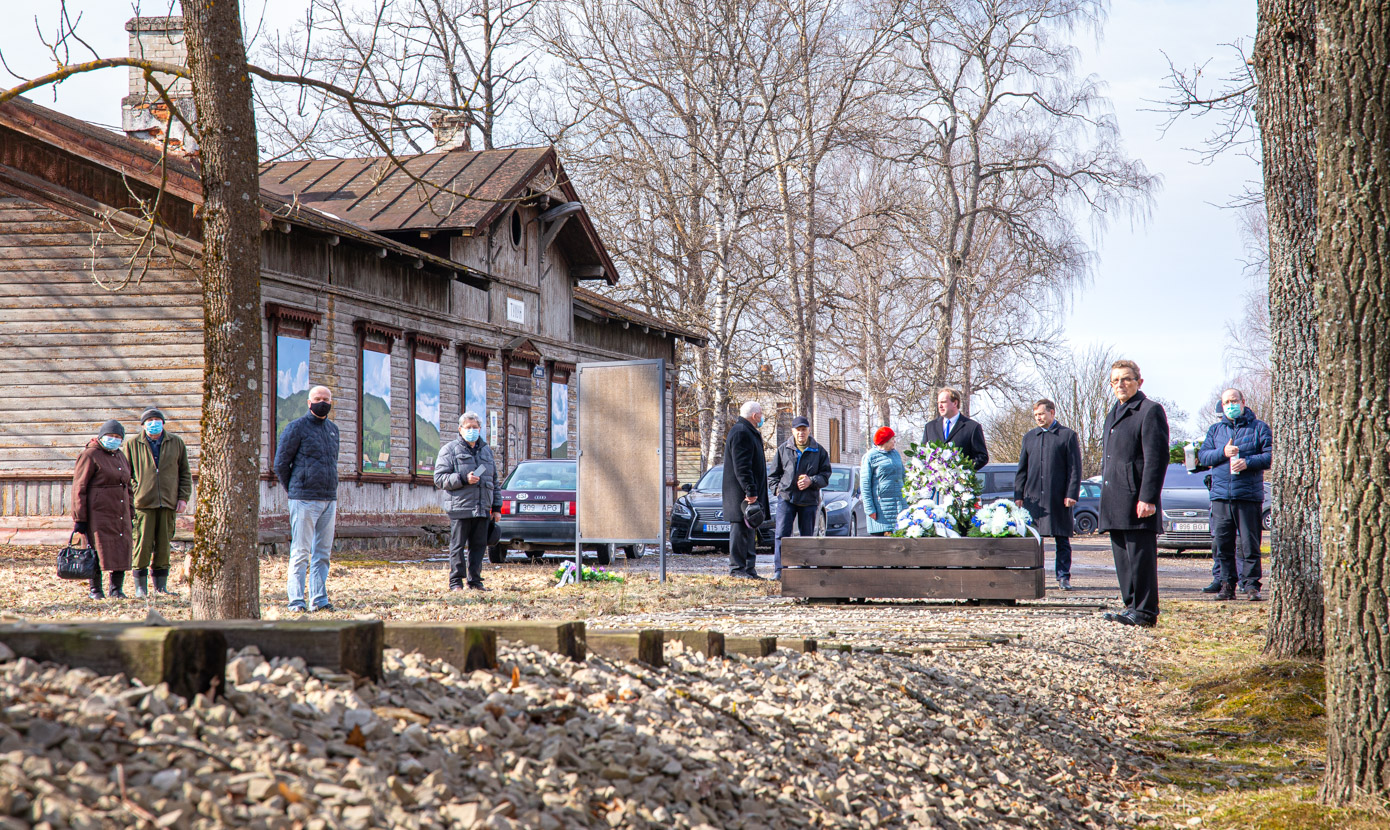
x: 1135, y: 461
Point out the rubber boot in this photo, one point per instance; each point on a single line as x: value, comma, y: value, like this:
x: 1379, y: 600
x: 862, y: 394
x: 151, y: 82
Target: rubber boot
x: 117, y: 580
x: 95, y: 592
x: 161, y: 580
x: 142, y: 583
x: 1228, y: 591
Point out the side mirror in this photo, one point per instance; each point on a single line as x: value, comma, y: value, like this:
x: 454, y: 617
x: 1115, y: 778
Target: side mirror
x: 686, y: 488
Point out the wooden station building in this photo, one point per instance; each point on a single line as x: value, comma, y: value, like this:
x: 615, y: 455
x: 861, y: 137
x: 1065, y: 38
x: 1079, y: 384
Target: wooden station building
x: 412, y: 304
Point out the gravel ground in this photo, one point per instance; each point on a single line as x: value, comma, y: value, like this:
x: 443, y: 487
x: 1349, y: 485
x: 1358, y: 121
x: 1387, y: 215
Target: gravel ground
x: 943, y: 716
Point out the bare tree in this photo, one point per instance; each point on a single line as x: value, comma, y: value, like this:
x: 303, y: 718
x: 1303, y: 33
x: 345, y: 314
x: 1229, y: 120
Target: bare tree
x: 468, y: 55
x: 993, y: 105
x: 1080, y: 386
x: 1353, y: 266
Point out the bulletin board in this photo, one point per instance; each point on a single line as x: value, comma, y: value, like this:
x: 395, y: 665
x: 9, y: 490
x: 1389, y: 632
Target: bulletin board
x: 622, y: 452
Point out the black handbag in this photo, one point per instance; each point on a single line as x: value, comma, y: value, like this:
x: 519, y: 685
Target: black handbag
x: 75, y: 562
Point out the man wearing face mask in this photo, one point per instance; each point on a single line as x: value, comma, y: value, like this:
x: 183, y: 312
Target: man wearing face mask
x: 1238, y: 449
x: 163, y: 483
x: 745, y: 482
x: 306, y: 463
x: 467, y: 471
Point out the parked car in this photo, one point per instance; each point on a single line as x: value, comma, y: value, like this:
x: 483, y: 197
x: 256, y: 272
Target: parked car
x: 697, y: 517
x: 538, y: 513
x: 1187, y: 510
x: 999, y: 484
x: 842, y: 509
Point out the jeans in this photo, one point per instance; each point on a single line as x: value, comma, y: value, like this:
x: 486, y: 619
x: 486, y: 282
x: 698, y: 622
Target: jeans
x: 1235, y: 533
x: 804, y: 516
x: 1063, y: 545
x: 311, y: 541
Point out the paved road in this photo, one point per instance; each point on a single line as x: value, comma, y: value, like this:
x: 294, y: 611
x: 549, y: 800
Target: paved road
x: 1092, y: 573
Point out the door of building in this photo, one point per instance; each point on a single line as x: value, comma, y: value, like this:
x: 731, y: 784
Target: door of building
x: 834, y: 440
x: 518, y: 436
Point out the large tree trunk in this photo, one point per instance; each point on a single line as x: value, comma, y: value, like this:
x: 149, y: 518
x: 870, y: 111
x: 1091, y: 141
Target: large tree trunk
x: 225, y: 575
x: 1284, y: 58
x: 1353, y: 258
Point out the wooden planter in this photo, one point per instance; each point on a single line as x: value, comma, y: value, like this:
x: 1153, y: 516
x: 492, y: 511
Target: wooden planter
x: 827, y: 567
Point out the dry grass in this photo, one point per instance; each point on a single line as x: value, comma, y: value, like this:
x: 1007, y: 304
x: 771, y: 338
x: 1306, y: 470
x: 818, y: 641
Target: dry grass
x: 1241, y: 737
x: 405, y: 586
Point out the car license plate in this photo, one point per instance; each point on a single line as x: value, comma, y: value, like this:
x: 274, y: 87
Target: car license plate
x: 1190, y: 527
x: 717, y: 528
x: 540, y: 508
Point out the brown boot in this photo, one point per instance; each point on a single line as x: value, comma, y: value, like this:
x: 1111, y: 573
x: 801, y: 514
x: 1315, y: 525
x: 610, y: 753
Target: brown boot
x: 1228, y: 591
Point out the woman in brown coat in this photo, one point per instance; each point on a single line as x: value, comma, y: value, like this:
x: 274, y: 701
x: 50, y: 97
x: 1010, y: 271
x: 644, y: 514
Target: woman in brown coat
x: 103, y: 507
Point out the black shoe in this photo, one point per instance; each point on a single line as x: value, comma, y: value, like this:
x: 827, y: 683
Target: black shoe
x: 479, y: 587
x: 1254, y: 595
x: 327, y: 606
x: 1228, y: 591
x: 299, y: 609
x: 1138, y: 620
x: 161, y: 581
x: 1213, y: 587
x: 457, y: 588
x: 142, y: 583
x: 1111, y: 616
x: 95, y: 593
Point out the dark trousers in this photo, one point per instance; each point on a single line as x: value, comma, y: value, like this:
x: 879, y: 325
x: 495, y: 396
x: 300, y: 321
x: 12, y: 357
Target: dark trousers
x: 1063, y: 545
x: 472, y: 534
x: 1235, y: 532
x: 743, y: 548
x: 1136, y: 566
x: 804, y: 516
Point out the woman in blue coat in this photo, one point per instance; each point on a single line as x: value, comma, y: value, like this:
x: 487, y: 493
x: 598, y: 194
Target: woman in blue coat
x: 881, y: 484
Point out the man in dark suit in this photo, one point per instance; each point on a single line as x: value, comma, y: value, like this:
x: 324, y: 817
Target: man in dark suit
x: 1048, y: 482
x: 1135, y: 462
x: 745, y: 482
x: 956, y: 428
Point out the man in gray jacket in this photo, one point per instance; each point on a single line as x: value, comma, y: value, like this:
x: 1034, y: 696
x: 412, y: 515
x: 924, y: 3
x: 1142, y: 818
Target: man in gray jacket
x: 466, y: 470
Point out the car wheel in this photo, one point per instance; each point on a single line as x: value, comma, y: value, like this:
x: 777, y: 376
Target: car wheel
x: 1085, y: 523
x: 683, y: 550
x: 1267, y: 520
x: 604, y: 554
x: 853, y: 525
x: 535, y: 556
x: 820, y: 523
x: 634, y: 551
x: 497, y: 554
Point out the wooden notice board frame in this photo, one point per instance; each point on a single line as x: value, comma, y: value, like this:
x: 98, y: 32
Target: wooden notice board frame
x: 621, y: 417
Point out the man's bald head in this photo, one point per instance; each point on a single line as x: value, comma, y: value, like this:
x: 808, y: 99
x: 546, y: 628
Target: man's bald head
x: 320, y: 393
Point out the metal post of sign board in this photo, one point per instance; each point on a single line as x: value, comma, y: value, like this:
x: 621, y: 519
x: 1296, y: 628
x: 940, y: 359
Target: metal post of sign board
x: 623, y: 422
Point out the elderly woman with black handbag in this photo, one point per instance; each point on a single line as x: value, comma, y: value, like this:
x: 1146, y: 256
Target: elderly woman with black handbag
x: 103, y: 506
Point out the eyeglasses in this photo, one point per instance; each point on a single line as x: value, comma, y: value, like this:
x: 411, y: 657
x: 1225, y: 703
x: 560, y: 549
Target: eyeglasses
x: 1118, y: 381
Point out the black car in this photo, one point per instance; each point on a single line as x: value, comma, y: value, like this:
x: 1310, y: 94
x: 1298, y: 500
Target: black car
x: 1187, y: 510
x: 842, y: 508
x: 697, y: 517
x: 998, y: 481
x: 538, y: 510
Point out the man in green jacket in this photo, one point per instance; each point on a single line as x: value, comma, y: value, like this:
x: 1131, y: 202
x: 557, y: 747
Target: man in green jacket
x: 162, y: 483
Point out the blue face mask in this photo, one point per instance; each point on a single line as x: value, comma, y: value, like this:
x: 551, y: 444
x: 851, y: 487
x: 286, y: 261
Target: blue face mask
x: 110, y: 442
x: 154, y: 428
x: 1233, y: 410
x: 470, y: 434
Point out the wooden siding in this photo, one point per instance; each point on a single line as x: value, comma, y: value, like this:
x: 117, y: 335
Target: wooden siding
x: 613, y: 337
x: 74, y: 354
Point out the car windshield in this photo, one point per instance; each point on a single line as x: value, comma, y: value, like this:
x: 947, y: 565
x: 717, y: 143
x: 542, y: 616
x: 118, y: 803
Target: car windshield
x: 840, y: 481
x: 542, y: 475
x: 1178, y: 478
x: 712, y: 480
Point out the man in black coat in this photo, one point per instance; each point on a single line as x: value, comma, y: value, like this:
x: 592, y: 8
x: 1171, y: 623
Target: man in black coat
x: 1135, y: 462
x: 956, y: 428
x: 799, y: 471
x: 745, y: 482
x: 1048, y: 482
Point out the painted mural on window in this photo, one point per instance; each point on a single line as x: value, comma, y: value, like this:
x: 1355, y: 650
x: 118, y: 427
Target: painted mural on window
x: 376, y: 412
x: 475, y: 392
x: 559, y: 420
x: 291, y: 381
x: 426, y: 415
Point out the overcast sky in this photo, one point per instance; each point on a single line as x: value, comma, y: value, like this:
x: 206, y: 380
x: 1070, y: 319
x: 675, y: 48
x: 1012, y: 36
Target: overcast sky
x: 1164, y: 288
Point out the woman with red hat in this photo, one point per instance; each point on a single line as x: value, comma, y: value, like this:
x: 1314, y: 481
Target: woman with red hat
x: 881, y: 483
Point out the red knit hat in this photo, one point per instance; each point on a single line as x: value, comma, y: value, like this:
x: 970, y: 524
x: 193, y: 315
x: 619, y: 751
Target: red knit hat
x: 883, y: 435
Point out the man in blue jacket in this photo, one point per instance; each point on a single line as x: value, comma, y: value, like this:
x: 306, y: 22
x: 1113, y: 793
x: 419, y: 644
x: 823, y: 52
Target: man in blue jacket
x: 801, y: 469
x: 1238, y: 449
x: 306, y: 463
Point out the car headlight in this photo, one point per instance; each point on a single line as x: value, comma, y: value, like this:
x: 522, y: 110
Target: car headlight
x: 839, y: 504
x: 682, y: 509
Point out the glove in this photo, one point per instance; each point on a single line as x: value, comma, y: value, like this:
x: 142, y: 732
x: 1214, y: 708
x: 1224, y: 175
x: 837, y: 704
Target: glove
x: 79, y: 527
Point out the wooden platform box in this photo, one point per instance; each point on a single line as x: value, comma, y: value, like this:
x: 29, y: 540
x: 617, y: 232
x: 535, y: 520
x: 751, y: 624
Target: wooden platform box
x: 885, y: 567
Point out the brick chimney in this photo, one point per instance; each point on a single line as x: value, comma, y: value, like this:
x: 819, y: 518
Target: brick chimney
x: 144, y: 114
x: 450, y: 131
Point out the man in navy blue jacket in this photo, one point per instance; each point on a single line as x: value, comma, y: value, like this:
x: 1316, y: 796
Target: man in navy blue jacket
x: 1238, y: 449
x: 306, y: 463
